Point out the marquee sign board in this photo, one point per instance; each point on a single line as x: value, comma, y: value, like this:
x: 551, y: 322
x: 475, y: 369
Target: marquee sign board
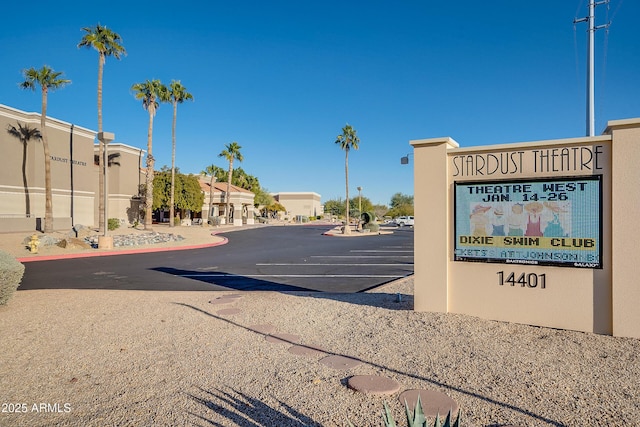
x: 548, y: 221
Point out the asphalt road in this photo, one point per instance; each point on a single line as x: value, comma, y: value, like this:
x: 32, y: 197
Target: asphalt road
x: 296, y: 258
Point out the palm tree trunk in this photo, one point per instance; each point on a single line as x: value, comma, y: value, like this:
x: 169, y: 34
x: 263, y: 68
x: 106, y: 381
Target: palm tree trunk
x: 48, y: 200
x: 173, y: 164
x: 101, y: 165
x: 148, y: 220
x: 27, y: 199
x: 347, y: 226
x: 213, y: 179
x: 228, y: 195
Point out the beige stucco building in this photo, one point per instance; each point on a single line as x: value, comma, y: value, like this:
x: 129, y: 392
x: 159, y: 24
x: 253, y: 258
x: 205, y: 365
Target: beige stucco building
x: 215, y: 203
x: 306, y: 204
x: 74, y: 174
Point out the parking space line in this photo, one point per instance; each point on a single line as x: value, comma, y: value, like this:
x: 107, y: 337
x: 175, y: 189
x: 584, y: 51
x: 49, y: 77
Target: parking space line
x: 226, y: 275
x: 333, y: 263
x: 380, y: 250
x: 361, y: 256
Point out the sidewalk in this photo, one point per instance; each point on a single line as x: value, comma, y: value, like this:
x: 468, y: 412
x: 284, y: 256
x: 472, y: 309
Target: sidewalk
x: 194, y: 237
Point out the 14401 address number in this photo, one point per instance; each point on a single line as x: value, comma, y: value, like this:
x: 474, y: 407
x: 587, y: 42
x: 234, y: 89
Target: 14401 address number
x: 530, y: 280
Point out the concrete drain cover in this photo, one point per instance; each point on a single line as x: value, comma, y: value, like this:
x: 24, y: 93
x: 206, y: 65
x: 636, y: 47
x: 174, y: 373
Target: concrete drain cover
x: 283, y: 338
x: 307, y: 350
x: 372, y: 384
x: 340, y: 362
x: 433, y: 402
x: 263, y: 329
x: 228, y: 311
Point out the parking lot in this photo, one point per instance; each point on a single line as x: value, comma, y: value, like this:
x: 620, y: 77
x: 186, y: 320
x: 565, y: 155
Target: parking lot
x: 280, y: 258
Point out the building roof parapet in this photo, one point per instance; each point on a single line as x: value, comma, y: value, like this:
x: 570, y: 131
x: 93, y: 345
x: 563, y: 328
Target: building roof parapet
x: 52, y: 122
x: 585, y: 140
x: 124, y: 148
x: 435, y: 141
x: 622, y: 124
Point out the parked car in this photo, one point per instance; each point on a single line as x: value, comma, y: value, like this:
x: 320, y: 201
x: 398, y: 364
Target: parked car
x: 401, y: 221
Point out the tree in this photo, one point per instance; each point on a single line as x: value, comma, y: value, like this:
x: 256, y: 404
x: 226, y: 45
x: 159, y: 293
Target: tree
x: 401, y: 204
x: 335, y: 207
x: 25, y: 134
x: 47, y: 79
x: 107, y: 43
x: 190, y: 197
x: 244, y: 180
x: 347, y: 140
x: 187, y: 191
x: 213, y: 171
x: 231, y: 153
x: 177, y: 95
x: 262, y: 197
x: 272, y: 209
x: 150, y: 92
x: 399, y: 199
x: 380, y: 210
x: 365, y: 203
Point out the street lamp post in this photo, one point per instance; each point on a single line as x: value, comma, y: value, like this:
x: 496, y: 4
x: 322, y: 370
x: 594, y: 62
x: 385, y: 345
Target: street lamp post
x: 359, y: 205
x: 105, y: 241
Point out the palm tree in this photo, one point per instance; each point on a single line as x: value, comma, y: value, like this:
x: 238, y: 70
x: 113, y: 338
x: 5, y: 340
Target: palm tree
x: 231, y: 153
x: 212, y: 171
x: 347, y: 140
x: 107, y: 43
x: 25, y: 134
x: 47, y: 79
x: 177, y: 95
x: 150, y: 93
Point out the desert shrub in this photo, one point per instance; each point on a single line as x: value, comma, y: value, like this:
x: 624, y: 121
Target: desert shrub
x: 113, y: 223
x: 370, y: 223
x: 416, y: 418
x: 373, y: 227
x: 11, y: 272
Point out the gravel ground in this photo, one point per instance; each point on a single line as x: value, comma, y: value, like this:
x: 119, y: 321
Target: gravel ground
x: 150, y: 358
x: 135, y: 358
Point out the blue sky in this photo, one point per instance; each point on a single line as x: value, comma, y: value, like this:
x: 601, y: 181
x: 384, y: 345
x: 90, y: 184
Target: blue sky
x: 283, y: 77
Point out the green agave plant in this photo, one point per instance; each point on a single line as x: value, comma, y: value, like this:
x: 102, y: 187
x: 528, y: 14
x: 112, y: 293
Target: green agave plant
x: 416, y: 418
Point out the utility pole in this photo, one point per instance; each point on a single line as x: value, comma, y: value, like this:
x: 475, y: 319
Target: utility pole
x: 590, y: 20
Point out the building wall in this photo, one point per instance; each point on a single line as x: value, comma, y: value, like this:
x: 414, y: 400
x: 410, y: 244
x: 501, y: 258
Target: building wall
x: 71, y: 150
x: 600, y: 300
x: 241, y: 202
x: 125, y: 175
x: 625, y: 199
x: 303, y: 203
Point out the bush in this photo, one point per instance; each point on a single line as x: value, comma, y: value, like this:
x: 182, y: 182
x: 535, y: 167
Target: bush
x: 370, y: 223
x: 373, y: 227
x: 113, y: 223
x: 11, y: 272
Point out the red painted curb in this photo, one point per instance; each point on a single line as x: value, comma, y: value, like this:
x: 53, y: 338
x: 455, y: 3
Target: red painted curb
x: 122, y: 252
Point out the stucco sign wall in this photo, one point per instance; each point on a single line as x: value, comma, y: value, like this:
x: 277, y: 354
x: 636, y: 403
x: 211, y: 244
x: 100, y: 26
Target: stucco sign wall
x: 532, y: 232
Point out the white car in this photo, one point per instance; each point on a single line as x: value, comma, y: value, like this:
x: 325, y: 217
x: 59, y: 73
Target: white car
x: 401, y: 221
